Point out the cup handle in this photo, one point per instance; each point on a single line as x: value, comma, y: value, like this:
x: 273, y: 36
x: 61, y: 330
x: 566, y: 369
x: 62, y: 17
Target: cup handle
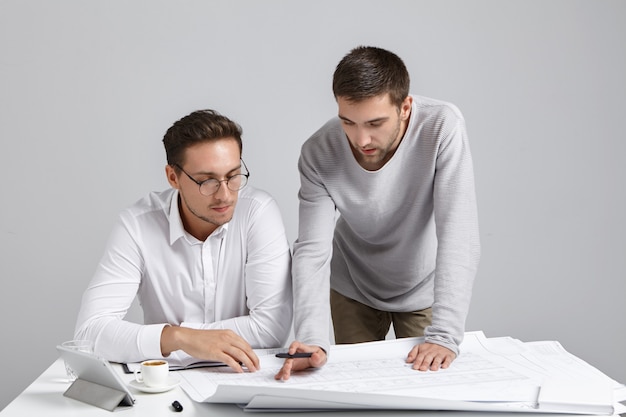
x: 138, y: 376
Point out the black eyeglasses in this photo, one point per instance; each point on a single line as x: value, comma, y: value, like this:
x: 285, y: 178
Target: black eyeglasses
x: 211, y: 186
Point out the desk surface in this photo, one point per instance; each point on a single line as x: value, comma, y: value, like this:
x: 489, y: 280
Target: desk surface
x: 45, y: 397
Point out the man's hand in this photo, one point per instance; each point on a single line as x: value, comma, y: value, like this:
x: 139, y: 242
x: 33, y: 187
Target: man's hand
x: 317, y: 359
x: 430, y: 356
x: 214, y: 345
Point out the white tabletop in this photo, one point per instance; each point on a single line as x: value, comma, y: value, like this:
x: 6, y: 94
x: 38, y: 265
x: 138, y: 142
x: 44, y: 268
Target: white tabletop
x: 45, y: 397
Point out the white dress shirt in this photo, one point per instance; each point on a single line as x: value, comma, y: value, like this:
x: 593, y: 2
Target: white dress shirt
x: 238, y: 279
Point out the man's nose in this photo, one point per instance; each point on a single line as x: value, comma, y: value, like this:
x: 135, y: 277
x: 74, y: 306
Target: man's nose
x: 362, y: 138
x: 222, y: 189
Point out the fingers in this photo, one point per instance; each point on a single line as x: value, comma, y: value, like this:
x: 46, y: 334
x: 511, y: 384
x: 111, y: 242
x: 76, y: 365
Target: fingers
x: 219, y: 345
x: 238, y: 354
x: 447, y: 361
x: 293, y: 365
x: 238, y: 359
x: 296, y: 346
x: 249, y: 358
x: 412, y: 354
x: 238, y: 365
x: 429, y: 356
x: 285, y: 372
x: 317, y: 359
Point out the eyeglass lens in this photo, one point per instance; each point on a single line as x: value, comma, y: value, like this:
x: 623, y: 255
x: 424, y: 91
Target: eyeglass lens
x: 234, y: 183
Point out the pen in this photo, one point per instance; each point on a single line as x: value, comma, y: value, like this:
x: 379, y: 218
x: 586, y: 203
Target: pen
x: 295, y: 355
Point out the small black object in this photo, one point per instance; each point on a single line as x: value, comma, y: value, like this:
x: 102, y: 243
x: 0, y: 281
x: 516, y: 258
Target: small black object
x: 294, y: 355
x: 177, y: 406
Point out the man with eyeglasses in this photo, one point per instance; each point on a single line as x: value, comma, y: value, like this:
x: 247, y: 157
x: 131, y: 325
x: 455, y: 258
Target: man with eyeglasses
x: 208, y: 260
x: 404, y: 248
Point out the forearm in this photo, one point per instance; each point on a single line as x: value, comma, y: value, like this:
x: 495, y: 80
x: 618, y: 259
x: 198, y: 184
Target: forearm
x: 458, y: 251
x: 260, y: 333
x: 312, y: 321
x: 311, y: 273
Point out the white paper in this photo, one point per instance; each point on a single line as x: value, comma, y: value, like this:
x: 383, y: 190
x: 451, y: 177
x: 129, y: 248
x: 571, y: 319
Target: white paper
x: 488, y: 375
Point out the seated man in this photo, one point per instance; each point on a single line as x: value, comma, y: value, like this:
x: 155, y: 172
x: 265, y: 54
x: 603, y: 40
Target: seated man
x: 208, y: 260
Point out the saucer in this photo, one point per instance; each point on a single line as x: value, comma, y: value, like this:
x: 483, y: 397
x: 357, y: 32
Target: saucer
x: 172, y: 381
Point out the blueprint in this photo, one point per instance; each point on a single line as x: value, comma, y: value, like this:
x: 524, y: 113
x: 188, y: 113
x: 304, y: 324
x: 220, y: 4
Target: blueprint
x: 489, y: 375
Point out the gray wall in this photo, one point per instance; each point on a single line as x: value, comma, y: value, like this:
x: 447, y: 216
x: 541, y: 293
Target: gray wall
x: 88, y: 88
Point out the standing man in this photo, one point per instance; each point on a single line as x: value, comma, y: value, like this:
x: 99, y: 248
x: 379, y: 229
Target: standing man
x: 404, y: 248
x: 208, y: 259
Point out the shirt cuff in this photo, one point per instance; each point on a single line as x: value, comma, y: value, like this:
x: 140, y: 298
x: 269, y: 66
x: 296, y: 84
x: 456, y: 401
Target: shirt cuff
x: 150, y: 340
x: 190, y: 325
x: 446, y: 342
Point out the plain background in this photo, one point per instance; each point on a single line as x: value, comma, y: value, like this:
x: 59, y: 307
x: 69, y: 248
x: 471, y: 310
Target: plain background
x: 88, y: 88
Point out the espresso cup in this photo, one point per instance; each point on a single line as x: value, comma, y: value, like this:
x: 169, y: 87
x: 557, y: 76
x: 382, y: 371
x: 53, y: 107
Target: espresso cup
x: 153, y: 373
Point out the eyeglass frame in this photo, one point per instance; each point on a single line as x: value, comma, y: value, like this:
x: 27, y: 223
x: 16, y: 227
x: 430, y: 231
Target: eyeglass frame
x: 219, y: 182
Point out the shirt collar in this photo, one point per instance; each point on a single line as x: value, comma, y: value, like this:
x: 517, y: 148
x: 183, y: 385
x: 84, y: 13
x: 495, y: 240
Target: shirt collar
x: 177, y: 230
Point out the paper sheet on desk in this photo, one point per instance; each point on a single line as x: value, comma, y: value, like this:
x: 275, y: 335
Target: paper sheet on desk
x: 374, y: 375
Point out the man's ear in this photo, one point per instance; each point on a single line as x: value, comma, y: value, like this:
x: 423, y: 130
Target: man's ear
x: 172, y: 177
x: 405, y: 108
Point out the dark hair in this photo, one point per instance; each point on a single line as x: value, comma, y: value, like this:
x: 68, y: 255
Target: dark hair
x: 367, y: 71
x: 197, y: 127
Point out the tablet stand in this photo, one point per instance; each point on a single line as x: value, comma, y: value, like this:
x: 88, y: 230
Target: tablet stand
x: 95, y: 394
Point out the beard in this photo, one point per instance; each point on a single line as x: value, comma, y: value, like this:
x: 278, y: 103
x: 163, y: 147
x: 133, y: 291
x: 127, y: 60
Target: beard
x: 382, y: 154
x: 215, y: 219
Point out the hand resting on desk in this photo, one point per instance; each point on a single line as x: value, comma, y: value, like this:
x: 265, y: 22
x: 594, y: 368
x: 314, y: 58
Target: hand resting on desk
x: 424, y: 356
x: 214, y: 345
x: 427, y: 356
x: 317, y: 359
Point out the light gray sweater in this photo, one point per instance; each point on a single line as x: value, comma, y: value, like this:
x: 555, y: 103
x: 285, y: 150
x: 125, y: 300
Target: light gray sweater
x: 406, y: 235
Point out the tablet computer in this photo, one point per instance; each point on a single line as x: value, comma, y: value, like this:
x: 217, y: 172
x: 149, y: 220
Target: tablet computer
x: 97, y: 382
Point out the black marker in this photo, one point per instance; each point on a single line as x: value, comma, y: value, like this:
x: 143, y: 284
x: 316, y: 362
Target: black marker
x: 177, y: 406
x: 295, y: 355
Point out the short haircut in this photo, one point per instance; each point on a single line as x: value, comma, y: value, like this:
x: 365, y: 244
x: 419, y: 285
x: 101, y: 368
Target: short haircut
x: 198, y: 127
x: 367, y: 72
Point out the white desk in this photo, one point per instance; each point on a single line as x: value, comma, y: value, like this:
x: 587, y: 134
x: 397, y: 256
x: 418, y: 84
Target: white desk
x: 44, y: 397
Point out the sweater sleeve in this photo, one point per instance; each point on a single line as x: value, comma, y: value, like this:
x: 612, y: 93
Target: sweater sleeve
x: 458, y: 249
x: 311, y: 258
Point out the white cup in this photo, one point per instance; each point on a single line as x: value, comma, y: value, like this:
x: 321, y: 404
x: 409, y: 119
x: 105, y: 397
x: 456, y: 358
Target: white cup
x: 80, y: 345
x: 153, y: 373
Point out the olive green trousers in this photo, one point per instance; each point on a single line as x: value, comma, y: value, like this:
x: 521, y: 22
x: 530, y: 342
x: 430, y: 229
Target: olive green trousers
x: 354, y: 322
